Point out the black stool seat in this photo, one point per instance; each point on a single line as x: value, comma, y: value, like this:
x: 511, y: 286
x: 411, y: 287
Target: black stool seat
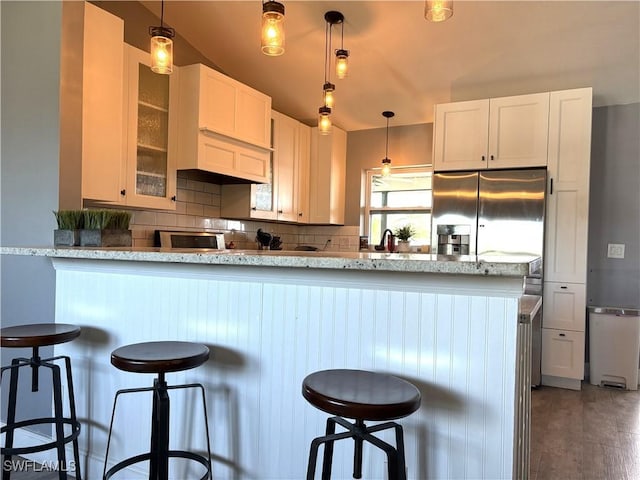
x: 35, y: 336
x: 38, y: 335
x: 158, y: 357
x: 360, y: 395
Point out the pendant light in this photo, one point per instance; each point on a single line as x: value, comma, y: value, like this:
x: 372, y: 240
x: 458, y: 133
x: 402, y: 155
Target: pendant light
x: 438, y: 10
x: 272, y: 28
x: 386, y: 161
x: 324, y: 120
x: 162, y: 46
x: 342, y: 56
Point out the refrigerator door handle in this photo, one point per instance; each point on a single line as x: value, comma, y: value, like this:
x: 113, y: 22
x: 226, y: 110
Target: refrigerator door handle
x: 551, y: 187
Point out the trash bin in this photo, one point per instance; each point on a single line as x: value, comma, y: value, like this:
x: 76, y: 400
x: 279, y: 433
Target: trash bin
x: 614, y: 347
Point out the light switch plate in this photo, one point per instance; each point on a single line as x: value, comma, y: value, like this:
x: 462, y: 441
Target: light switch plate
x: 615, y: 250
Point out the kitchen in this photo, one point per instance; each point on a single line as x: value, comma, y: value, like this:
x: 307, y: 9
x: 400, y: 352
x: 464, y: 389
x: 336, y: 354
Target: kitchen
x: 614, y: 122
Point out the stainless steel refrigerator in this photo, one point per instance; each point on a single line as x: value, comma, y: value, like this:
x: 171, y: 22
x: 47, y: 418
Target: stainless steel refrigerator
x: 493, y: 212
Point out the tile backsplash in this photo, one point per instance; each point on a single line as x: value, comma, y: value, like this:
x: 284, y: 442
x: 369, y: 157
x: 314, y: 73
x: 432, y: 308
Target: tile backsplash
x: 198, y: 209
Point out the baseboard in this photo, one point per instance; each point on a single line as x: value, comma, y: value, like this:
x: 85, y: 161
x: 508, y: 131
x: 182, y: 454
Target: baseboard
x: 559, y: 382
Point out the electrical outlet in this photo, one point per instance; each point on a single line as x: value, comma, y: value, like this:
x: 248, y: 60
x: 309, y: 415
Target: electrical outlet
x: 615, y: 250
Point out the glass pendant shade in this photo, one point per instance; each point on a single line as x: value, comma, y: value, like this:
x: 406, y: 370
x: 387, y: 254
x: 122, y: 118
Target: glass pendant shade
x: 342, y: 63
x: 438, y: 10
x: 324, y: 121
x: 161, y: 54
x: 272, y: 28
x: 385, y: 171
x: 329, y: 89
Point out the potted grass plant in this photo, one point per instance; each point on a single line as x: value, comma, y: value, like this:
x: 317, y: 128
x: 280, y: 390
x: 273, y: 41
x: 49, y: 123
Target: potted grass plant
x: 106, y: 228
x: 69, y: 224
x: 404, y: 234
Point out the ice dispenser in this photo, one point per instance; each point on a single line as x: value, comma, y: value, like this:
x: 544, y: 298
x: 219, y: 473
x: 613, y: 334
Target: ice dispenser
x: 453, y: 239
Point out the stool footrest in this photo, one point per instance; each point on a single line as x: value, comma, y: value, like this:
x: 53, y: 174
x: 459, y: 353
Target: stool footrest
x: 172, y: 454
x: 75, y: 431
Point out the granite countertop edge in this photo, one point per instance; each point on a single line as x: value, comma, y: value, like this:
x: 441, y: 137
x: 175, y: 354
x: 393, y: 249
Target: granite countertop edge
x: 374, y: 261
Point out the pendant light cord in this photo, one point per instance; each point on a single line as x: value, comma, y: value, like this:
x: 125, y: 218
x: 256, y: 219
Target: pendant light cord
x: 386, y: 153
x: 162, y: 14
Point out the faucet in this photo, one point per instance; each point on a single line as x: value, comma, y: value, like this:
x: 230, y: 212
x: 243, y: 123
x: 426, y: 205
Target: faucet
x: 391, y: 241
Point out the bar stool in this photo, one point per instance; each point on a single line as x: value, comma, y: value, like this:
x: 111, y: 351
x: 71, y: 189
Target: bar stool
x: 159, y: 358
x: 360, y: 395
x: 36, y: 336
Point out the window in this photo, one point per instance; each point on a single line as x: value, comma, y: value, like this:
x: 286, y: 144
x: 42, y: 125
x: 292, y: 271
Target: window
x: 402, y: 198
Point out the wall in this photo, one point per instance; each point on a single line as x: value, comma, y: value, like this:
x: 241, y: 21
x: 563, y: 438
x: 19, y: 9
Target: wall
x: 408, y: 145
x: 198, y: 208
x: 614, y: 209
x: 29, y: 170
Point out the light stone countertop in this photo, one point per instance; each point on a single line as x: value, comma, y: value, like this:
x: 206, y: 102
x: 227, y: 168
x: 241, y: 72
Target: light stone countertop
x: 511, y: 266
x: 529, y: 307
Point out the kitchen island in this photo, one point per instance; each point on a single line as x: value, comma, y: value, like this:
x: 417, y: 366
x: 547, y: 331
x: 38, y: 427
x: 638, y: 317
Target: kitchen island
x: 457, y: 327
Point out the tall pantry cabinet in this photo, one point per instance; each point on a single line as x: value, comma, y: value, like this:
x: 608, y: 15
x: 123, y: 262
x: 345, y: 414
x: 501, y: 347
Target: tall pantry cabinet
x: 565, y: 260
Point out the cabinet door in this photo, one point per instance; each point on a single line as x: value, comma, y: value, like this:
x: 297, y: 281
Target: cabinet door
x: 102, y: 93
x: 460, y: 135
x: 564, y: 306
x: 285, y: 136
x: 327, y: 177
x: 567, y: 225
x: 150, y: 170
x: 230, y: 108
x: 563, y: 353
x: 518, y: 131
x: 302, y: 183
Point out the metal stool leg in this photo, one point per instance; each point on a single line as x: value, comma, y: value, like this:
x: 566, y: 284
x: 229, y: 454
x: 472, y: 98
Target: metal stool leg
x: 11, y: 416
x: 57, y: 406
x: 327, y: 457
x: 72, y: 409
x: 159, y: 467
x: 357, y: 449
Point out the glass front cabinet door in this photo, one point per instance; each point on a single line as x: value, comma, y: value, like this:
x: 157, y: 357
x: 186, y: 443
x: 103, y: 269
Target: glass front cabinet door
x: 149, y: 166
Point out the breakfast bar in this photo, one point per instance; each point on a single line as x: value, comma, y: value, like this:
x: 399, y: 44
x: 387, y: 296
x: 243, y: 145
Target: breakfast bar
x: 456, y: 327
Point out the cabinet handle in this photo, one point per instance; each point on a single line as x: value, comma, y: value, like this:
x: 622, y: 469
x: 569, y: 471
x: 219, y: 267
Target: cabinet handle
x: 173, y: 199
x: 562, y: 335
x: 123, y: 192
x: 299, y: 214
x: 491, y: 157
x: 551, y: 188
x: 564, y: 287
x: 280, y: 211
x: 254, y: 208
x: 483, y: 158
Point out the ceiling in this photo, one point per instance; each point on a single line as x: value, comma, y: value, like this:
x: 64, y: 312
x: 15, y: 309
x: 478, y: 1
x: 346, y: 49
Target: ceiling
x: 401, y: 62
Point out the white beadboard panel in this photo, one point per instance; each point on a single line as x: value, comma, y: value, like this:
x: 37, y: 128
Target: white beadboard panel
x: 268, y: 331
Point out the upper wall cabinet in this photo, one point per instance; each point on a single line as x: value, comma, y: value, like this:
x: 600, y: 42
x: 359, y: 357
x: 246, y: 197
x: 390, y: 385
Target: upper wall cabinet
x: 327, y: 177
x: 149, y: 170
x: 224, y: 126
x: 506, y: 132
x: 91, y: 98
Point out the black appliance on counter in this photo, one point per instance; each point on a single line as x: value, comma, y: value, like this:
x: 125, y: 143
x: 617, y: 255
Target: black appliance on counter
x: 184, y: 239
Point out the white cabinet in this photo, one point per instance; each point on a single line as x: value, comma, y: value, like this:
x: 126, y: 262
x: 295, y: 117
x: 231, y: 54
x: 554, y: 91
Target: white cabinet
x: 564, y: 306
x: 91, y: 98
x: 562, y: 354
x: 566, y: 230
x: 327, y: 177
x: 224, y: 126
x: 302, y: 183
x: 506, y: 132
x: 567, y: 225
x: 278, y: 199
x: 149, y: 179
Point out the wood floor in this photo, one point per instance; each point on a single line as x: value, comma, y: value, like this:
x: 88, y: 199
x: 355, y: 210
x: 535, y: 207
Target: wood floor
x: 590, y: 434
x: 593, y: 434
